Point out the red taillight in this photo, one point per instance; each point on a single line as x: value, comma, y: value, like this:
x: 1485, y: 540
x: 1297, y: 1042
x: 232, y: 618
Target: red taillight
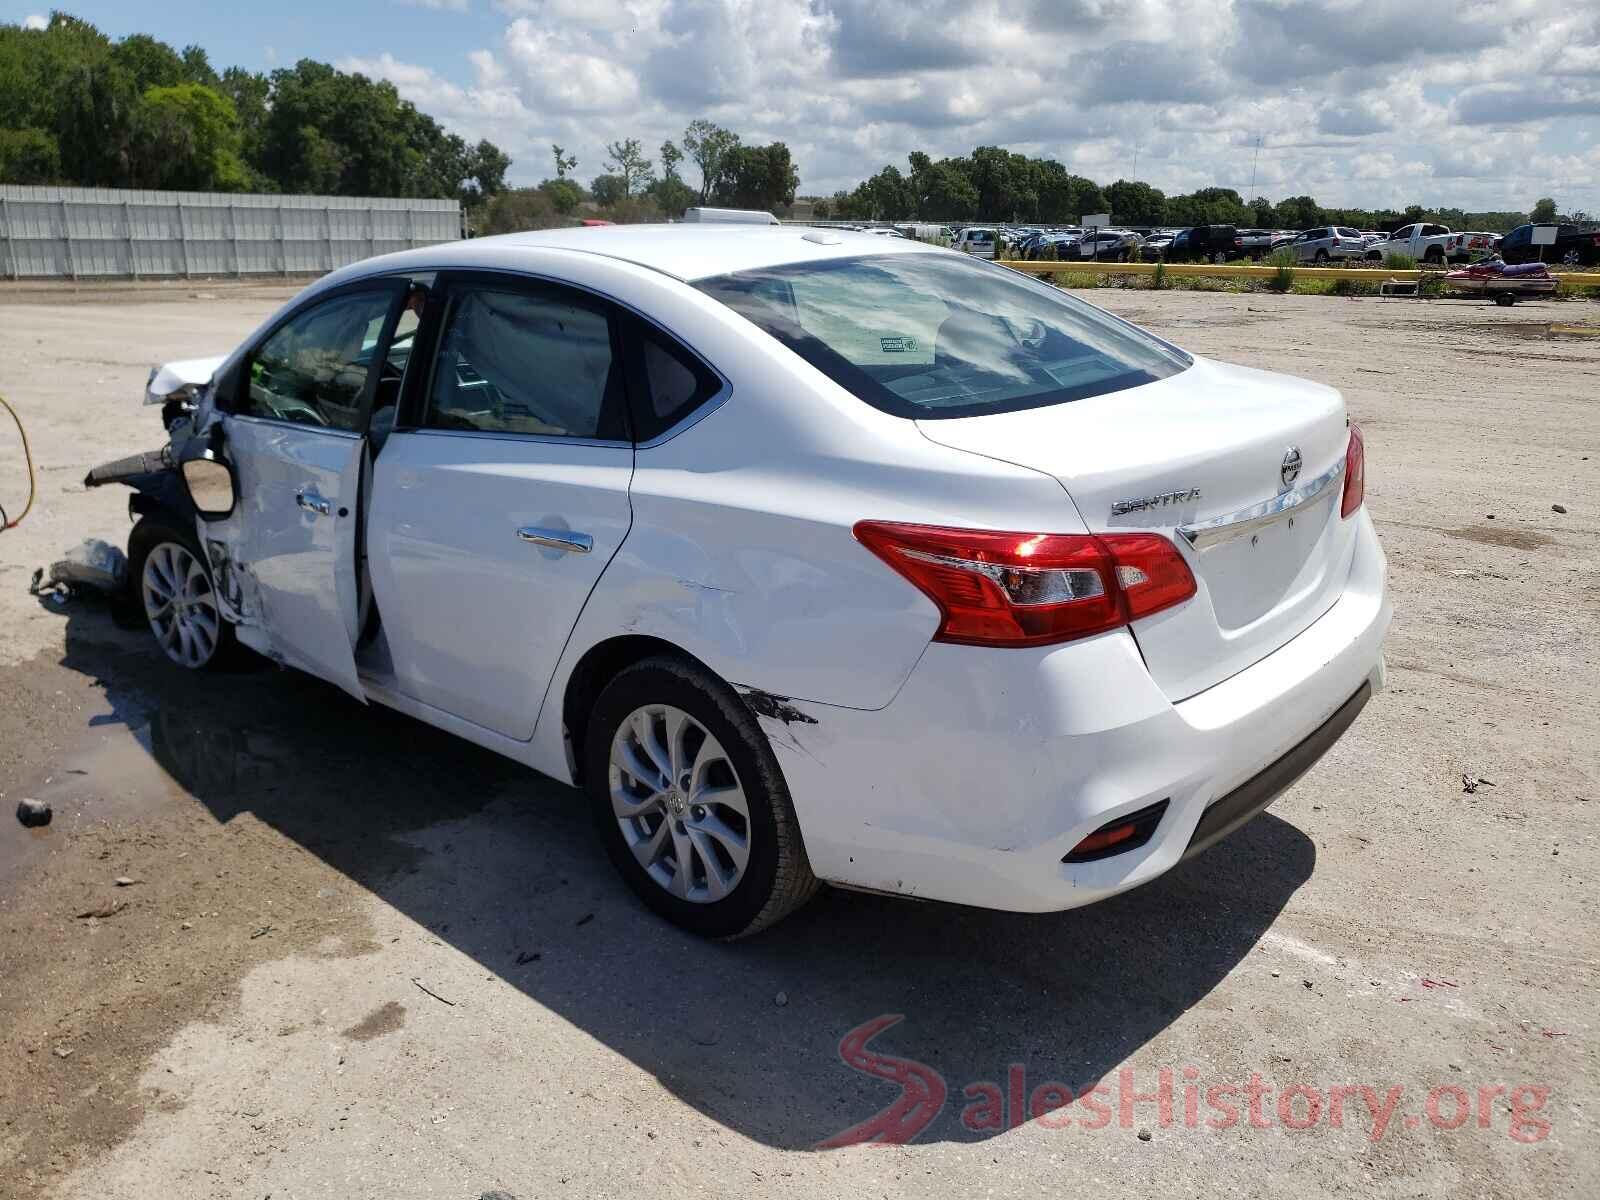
x: 1032, y: 589
x: 1355, y: 472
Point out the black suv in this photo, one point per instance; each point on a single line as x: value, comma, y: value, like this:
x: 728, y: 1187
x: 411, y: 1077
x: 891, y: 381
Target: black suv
x: 1574, y: 247
x: 1207, y: 243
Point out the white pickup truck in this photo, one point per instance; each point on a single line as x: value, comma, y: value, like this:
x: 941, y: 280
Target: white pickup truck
x: 1430, y: 243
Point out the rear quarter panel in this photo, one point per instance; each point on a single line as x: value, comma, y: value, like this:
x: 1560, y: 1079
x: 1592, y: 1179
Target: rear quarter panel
x: 742, y: 552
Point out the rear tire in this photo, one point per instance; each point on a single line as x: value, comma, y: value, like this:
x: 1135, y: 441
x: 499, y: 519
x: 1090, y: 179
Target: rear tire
x: 1504, y: 299
x: 711, y: 842
x: 1572, y: 258
x: 172, y: 586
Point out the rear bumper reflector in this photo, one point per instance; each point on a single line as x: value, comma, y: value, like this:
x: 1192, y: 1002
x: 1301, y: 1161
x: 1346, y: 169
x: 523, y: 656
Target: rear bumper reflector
x: 1127, y: 832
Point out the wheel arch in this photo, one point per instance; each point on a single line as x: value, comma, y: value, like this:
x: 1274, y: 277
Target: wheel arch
x: 598, y: 666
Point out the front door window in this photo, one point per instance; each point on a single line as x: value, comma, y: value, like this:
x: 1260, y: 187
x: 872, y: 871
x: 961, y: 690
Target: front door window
x: 313, y: 370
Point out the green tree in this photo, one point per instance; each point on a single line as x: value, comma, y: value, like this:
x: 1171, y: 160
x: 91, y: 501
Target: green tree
x: 185, y: 137
x: 1300, y: 212
x: 521, y: 208
x: 149, y: 63
x: 708, y: 144
x: 565, y: 194
x: 756, y: 177
x: 608, y: 190
x: 626, y: 158
x: 1135, y: 203
x: 888, y: 196
x: 28, y: 156
x: 1544, y: 212
x: 948, y: 193
x: 250, y: 93
x: 670, y: 157
x: 564, y: 161
x: 485, y: 171
x: 671, y: 195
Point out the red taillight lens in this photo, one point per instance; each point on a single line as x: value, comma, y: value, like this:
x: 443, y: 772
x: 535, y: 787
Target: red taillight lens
x: 1355, y: 472
x: 1031, y: 589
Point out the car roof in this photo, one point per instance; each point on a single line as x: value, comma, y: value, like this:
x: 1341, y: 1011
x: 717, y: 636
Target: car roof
x: 686, y: 251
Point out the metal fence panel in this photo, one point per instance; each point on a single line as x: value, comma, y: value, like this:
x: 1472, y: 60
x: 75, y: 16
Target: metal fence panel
x: 74, y: 233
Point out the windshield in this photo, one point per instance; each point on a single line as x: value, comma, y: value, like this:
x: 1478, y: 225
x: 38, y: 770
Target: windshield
x: 939, y: 335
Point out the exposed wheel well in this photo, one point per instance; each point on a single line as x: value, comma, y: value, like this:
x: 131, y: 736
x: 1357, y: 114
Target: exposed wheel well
x: 600, y: 664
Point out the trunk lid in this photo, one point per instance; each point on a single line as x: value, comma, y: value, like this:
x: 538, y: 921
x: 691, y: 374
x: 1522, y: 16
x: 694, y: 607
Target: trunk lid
x: 1201, y: 446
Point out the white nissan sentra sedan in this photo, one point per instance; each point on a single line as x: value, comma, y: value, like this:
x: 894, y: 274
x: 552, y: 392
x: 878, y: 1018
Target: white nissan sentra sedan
x: 810, y: 556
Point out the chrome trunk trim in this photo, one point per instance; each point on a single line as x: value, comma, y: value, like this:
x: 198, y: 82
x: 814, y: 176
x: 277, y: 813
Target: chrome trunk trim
x: 1204, y: 534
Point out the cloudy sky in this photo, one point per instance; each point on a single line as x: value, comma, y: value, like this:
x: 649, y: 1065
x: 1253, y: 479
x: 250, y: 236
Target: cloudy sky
x: 1485, y: 104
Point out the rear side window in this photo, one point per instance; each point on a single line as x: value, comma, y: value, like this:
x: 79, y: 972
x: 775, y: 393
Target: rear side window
x: 676, y: 383
x: 526, y: 362
x: 941, y: 335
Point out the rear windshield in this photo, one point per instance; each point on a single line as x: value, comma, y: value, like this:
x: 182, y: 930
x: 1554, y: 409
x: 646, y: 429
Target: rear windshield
x: 941, y: 335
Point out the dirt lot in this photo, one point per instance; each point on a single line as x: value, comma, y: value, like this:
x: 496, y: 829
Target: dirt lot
x: 362, y: 959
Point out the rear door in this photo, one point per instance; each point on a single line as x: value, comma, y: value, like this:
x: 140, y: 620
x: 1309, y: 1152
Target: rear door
x: 295, y: 430
x: 501, y: 495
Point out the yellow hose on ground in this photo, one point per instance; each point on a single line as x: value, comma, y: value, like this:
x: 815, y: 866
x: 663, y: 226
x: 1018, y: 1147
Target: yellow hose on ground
x: 27, y: 456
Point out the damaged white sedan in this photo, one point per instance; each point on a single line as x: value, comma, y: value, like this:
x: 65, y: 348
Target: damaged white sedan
x: 810, y: 556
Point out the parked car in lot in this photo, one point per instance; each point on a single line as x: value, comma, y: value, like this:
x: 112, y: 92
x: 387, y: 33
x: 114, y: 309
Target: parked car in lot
x: 1256, y: 243
x: 979, y: 241
x: 1206, y: 243
x: 807, y: 555
x: 1434, y: 244
x: 1157, y: 245
x: 1575, y: 246
x: 1110, y: 245
x: 1328, y: 243
x: 1062, y: 242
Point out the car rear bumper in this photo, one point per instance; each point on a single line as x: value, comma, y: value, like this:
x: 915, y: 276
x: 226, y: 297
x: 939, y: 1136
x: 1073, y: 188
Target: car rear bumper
x: 989, y: 766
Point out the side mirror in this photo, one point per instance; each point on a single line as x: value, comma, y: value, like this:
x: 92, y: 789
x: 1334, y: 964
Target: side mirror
x: 211, y: 482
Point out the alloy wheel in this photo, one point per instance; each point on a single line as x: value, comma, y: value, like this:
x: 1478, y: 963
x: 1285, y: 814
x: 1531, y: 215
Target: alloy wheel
x: 181, y: 605
x: 679, y: 803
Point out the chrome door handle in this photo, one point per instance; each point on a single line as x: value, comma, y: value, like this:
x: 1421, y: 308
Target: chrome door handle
x: 312, y: 502
x: 557, y: 539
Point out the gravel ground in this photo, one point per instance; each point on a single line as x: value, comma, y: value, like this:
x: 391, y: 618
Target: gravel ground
x: 359, y: 958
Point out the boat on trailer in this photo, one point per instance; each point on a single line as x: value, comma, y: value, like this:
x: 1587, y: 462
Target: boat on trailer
x: 1504, y: 284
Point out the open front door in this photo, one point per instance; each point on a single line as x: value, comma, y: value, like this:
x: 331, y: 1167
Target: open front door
x: 296, y: 433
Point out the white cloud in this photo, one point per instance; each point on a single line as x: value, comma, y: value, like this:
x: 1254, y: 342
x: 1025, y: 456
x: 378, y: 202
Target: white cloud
x: 36, y: 21
x: 1353, y: 101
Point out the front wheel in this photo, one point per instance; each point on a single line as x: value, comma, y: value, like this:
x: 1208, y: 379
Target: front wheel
x: 1322, y: 258
x: 1504, y: 299
x: 1572, y: 258
x: 173, y: 586
x: 690, y: 803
